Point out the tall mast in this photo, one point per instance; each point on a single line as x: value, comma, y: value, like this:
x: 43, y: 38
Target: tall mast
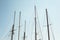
x: 19, y: 25
x: 47, y: 24
x: 12, y: 33
x: 35, y: 23
x: 24, y: 31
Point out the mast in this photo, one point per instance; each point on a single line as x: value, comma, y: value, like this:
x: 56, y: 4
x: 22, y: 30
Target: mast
x: 19, y: 25
x: 24, y: 31
x: 35, y: 23
x: 47, y: 24
x: 12, y: 33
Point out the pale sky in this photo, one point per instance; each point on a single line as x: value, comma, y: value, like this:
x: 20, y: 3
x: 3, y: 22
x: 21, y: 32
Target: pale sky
x: 7, y: 8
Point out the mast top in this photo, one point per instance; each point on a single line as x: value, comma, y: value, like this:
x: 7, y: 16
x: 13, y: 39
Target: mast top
x: 46, y: 11
x: 35, y: 10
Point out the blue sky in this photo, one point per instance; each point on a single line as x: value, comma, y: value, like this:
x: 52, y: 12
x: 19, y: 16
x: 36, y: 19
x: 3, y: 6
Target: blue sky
x: 7, y: 8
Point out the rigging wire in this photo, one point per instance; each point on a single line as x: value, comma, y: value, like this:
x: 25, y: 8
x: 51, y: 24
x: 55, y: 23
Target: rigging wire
x: 52, y: 33
x: 32, y: 31
x: 39, y: 26
x: 5, y: 35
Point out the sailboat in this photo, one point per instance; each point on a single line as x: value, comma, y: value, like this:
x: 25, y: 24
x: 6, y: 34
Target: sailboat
x: 25, y: 26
